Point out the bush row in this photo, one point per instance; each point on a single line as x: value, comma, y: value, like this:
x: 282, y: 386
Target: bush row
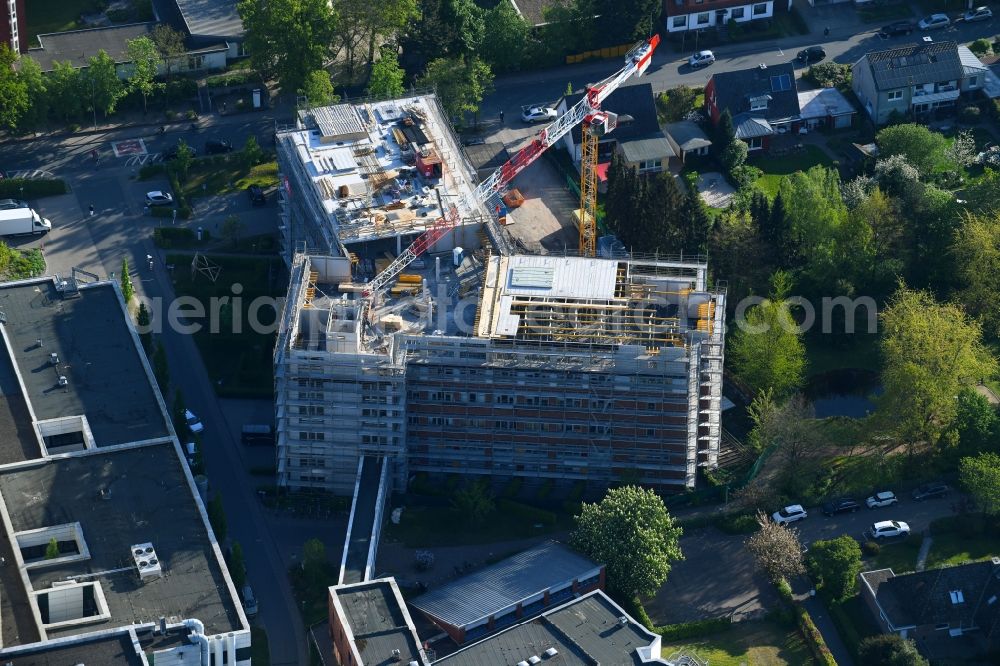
x: 815, y: 639
x: 697, y: 629
x: 176, y: 237
x: 31, y: 188
x: 529, y: 514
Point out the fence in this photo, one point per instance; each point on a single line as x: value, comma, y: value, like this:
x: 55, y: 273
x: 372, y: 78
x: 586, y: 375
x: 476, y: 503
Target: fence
x: 609, y: 52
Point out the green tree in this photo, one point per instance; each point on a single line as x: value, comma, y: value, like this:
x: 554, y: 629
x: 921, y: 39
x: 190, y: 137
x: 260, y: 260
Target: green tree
x: 734, y: 155
x: 814, y: 214
x: 161, y: 371
x: 318, y: 89
x: 253, y: 154
x: 835, y: 565
x: 237, y: 566
x: 766, y: 350
x: 508, y: 36
x: 976, y: 423
x: 776, y: 549
x: 66, y: 93
x: 314, y: 562
x: 126, y: 282
x: 725, y: 132
x: 630, y: 531
x: 889, y: 650
x: 143, y: 321
x: 182, y: 162
x: 101, y: 77
x: 232, y: 228
x: 980, y: 476
x: 460, y: 82
x: 170, y: 43
x: 52, y: 549
x: 627, y: 20
x: 922, y: 147
x: 217, y: 517
x: 930, y: 351
x: 144, y: 61
x: 386, y: 78
x: 29, y: 72
x: 474, y: 502
x: 387, y: 20
x: 676, y: 103
x: 289, y: 38
x: 976, y: 252
x: 14, y: 98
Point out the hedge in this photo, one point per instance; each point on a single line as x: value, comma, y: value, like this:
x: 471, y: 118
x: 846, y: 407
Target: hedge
x: 147, y: 171
x: 176, y: 237
x: 31, y: 188
x: 526, y: 513
x: 697, y: 629
x: 815, y: 639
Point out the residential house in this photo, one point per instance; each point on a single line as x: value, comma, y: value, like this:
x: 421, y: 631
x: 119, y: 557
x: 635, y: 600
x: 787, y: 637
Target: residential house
x: 916, y: 79
x: 950, y: 611
x: 687, y: 138
x: 206, y: 23
x: 638, y: 137
x: 682, y: 15
x: 826, y: 108
x: 13, y: 26
x: 762, y: 101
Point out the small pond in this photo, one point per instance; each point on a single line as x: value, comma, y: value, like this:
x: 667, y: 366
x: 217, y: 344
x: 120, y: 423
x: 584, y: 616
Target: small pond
x: 847, y: 392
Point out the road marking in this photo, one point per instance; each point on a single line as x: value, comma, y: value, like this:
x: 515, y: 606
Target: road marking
x: 31, y: 173
x: 129, y: 147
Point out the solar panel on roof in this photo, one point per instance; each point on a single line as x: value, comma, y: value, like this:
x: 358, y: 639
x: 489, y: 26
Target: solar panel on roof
x: 781, y: 83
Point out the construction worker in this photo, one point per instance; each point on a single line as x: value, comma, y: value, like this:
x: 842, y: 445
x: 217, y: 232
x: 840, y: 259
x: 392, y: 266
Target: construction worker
x: 92, y: 210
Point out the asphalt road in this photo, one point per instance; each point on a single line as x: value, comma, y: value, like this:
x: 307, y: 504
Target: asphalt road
x: 918, y: 515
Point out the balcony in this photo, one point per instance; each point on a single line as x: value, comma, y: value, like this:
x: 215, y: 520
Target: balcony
x: 921, y: 96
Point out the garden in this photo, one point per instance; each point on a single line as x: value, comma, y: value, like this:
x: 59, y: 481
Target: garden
x: 764, y: 642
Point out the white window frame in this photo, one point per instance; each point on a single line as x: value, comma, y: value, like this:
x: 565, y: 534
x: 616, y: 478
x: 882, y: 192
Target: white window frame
x: 706, y: 16
x: 679, y: 21
x: 736, y: 17
x: 755, y: 143
x: 759, y: 8
x: 894, y: 95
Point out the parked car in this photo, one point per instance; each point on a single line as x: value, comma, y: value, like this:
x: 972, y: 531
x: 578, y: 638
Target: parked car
x: 701, y: 59
x: 158, y: 198
x: 257, y: 433
x: 256, y: 194
x: 190, y: 449
x: 978, y: 14
x: 811, y: 54
x: 841, y: 505
x: 218, y: 146
x: 249, y: 602
x: 882, y: 498
x: 11, y: 204
x: 193, y: 423
x: 897, y: 28
x: 930, y: 491
x: 934, y: 22
x: 789, y: 514
x: 887, y: 528
x: 538, y: 114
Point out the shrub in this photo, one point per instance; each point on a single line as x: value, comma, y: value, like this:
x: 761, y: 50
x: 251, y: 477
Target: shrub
x: 981, y: 46
x: 785, y: 590
x: 737, y: 523
x: 871, y: 548
x: 170, y: 237
x: 829, y: 75
x: 526, y: 513
x: 147, y: 171
x: 815, y: 639
x: 696, y: 629
x: 31, y: 188
x: 970, y: 114
x: 183, y: 212
x: 170, y: 114
x: 191, y: 114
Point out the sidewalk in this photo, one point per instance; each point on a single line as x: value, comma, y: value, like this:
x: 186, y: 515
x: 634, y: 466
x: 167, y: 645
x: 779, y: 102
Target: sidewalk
x: 821, y: 617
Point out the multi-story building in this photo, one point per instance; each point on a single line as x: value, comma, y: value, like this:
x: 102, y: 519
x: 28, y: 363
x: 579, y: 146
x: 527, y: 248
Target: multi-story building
x: 108, y: 556
x: 684, y: 15
x: 544, y: 367
x: 13, y: 30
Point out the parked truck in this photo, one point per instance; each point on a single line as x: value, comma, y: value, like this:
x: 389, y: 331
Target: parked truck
x: 19, y: 221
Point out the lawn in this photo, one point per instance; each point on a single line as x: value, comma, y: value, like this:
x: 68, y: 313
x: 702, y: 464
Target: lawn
x: 228, y: 174
x: 854, y: 621
x: 437, y: 526
x: 238, y: 359
x: 764, y: 643
x: 777, y: 167
x: 954, y: 548
x: 45, y: 16
x: 885, y: 13
x: 901, y: 557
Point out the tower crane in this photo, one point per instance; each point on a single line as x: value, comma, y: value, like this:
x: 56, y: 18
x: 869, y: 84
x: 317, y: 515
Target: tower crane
x: 588, y: 109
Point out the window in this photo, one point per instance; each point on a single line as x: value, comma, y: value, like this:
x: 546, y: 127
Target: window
x: 755, y: 143
x: 703, y: 19
x: 196, y: 62
x: 680, y: 21
x: 758, y: 104
x: 973, y: 81
x: 738, y: 12
x: 894, y: 95
x: 760, y: 8
x: 650, y: 165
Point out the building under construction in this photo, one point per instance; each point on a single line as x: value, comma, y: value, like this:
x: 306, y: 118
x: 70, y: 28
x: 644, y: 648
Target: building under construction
x: 476, y: 360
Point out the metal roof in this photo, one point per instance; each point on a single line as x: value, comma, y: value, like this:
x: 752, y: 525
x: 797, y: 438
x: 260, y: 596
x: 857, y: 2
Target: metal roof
x: 688, y: 135
x: 211, y: 18
x: 735, y: 90
x: 749, y: 127
x: 824, y: 102
x: 649, y: 148
x: 502, y: 585
x: 337, y: 121
x: 971, y: 65
x: 915, y: 64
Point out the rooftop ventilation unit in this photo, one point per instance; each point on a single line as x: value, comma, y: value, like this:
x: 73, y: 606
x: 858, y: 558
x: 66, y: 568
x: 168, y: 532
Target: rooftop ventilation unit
x: 63, y: 381
x: 146, y: 561
x: 534, y: 659
x: 996, y: 561
x: 551, y: 652
x: 623, y: 620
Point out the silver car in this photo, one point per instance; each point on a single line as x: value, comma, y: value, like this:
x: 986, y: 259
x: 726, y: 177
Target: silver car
x: 701, y: 59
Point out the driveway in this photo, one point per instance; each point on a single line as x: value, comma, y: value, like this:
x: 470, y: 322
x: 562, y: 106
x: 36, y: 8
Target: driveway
x: 546, y: 217
x: 717, y: 577
x: 918, y: 515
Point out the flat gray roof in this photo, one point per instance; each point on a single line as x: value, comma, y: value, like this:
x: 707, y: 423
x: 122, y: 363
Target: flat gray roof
x: 378, y: 623
x: 502, y: 585
x: 584, y: 631
x: 106, y: 651
x: 211, y: 18
x: 148, y: 500
x: 107, y: 381
x: 17, y: 438
x: 78, y: 46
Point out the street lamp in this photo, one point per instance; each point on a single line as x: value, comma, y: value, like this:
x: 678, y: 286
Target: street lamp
x: 93, y: 99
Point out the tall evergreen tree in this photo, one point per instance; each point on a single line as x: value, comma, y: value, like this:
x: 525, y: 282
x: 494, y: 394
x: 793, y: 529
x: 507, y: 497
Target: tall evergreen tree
x: 760, y: 211
x: 660, y: 214
x: 725, y: 133
x: 695, y: 224
x: 775, y: 233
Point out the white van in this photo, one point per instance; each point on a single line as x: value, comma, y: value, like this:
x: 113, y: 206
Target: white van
x: 22, y: 221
